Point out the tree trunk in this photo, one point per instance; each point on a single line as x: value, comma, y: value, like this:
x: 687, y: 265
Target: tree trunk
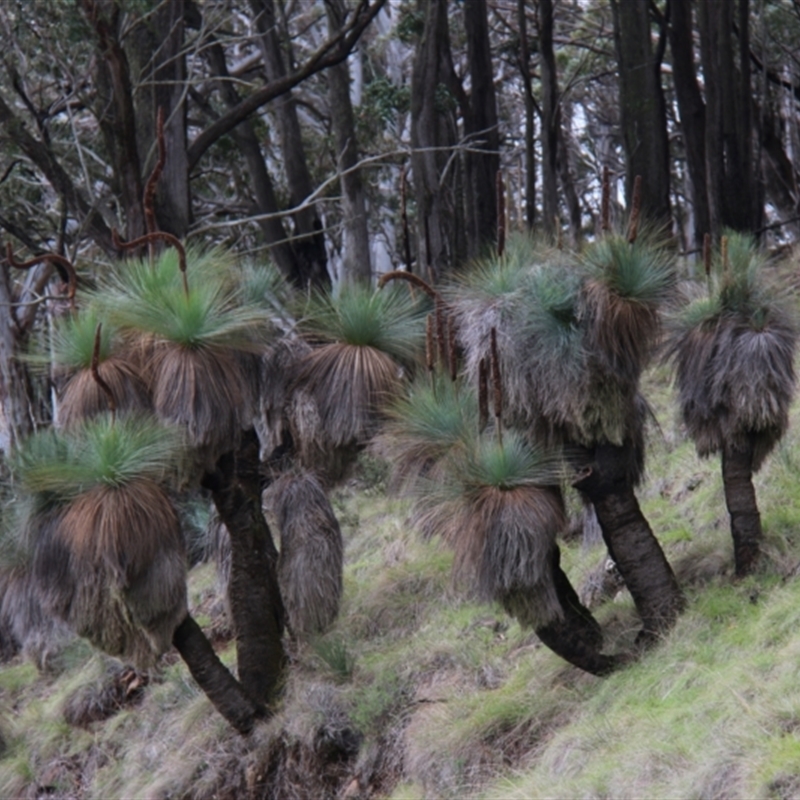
x: 310, y: 244
x: 644, y: 119
x: 266, y: 201
x: 222, y: 689
x: 530, y: 150
x: 155, y: 48
x: 355, y: 245
x: 565, y: 174
x: 255, y: 599
x: 115, y: 111
x: 432, y: 130
x: 577, y: 636
x: 740, y: 497
x: 480, y: 123
x: 735, y: 194
x: 14, y: 383
x: 550, y: 118
x: 631, y: 542
x: 692, y: 112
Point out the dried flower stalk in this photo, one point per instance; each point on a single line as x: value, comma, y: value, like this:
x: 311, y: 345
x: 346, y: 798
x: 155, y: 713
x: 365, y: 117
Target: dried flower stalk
x: 105, y: 388
x: 483, y: 395
x: 605, y: 202
x: 64, y: 267
x: 636, y: 209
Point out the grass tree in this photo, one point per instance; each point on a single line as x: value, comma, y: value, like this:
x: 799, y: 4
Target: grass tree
x: 196, y: 339
x: 733, y: 351
x: 623, y: 288
x: 79, y: 356
x: 105, y: 549
x: 579, y: 333
x: 499, y: 505
x: 364, y: 345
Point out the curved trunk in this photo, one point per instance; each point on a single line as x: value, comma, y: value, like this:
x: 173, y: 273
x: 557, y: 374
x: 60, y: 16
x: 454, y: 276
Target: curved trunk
x: 255, y: 599
x: 577, y: 636
x: 740, y: 497
x: 631, y: 542
x: 222, y: 689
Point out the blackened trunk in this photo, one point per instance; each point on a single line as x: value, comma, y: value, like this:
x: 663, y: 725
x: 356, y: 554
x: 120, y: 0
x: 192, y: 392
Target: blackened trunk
x: 482, y: 160
x: 255, y: 599
x: 577, y: 636
x: 740, y: 497
x: 692, y: 112
x: 433, y: 130
x: 222, y: 689
x: 643, y: 108
x: 551, y: 120
x: 356, y: 260
x: 631, y: 542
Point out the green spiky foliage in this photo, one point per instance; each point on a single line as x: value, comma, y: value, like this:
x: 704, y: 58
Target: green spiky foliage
x: 103, y: 539
x: 71, y: 350
x: 389, y: 320
x: 626, y: 285
x: 733, y: 351
x: 366, y: 343
x: 425, y: 425
x: 500, y: 507
x: 198, y: 349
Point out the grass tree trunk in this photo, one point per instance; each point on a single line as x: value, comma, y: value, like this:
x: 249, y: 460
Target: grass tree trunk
x: 576, y: 637
x: 222, y: 689
x: 631, y: 542
x: 740, y: 497
x: 255, y: 599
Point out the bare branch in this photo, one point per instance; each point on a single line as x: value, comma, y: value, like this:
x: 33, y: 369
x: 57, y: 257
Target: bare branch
x: 332, y: 52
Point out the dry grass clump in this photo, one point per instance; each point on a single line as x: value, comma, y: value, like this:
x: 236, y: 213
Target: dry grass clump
x: 117, y: 687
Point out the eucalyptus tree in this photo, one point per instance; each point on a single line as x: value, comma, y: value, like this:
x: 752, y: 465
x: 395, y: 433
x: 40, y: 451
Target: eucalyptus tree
x: 733, y: 350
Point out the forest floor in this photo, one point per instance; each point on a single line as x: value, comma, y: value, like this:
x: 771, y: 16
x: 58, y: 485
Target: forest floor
x: 421, y: 692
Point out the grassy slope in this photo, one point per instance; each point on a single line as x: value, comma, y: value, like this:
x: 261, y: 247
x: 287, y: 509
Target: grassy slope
x: 454, y: 699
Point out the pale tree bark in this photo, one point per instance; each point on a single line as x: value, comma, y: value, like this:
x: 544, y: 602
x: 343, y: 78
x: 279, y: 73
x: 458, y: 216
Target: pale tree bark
x: 530, y: 150
x: 14, y: 384
x: 310, y: 244
x: 356, y: 253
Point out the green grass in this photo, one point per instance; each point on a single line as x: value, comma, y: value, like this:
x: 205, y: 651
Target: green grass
x: 455, y: 692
